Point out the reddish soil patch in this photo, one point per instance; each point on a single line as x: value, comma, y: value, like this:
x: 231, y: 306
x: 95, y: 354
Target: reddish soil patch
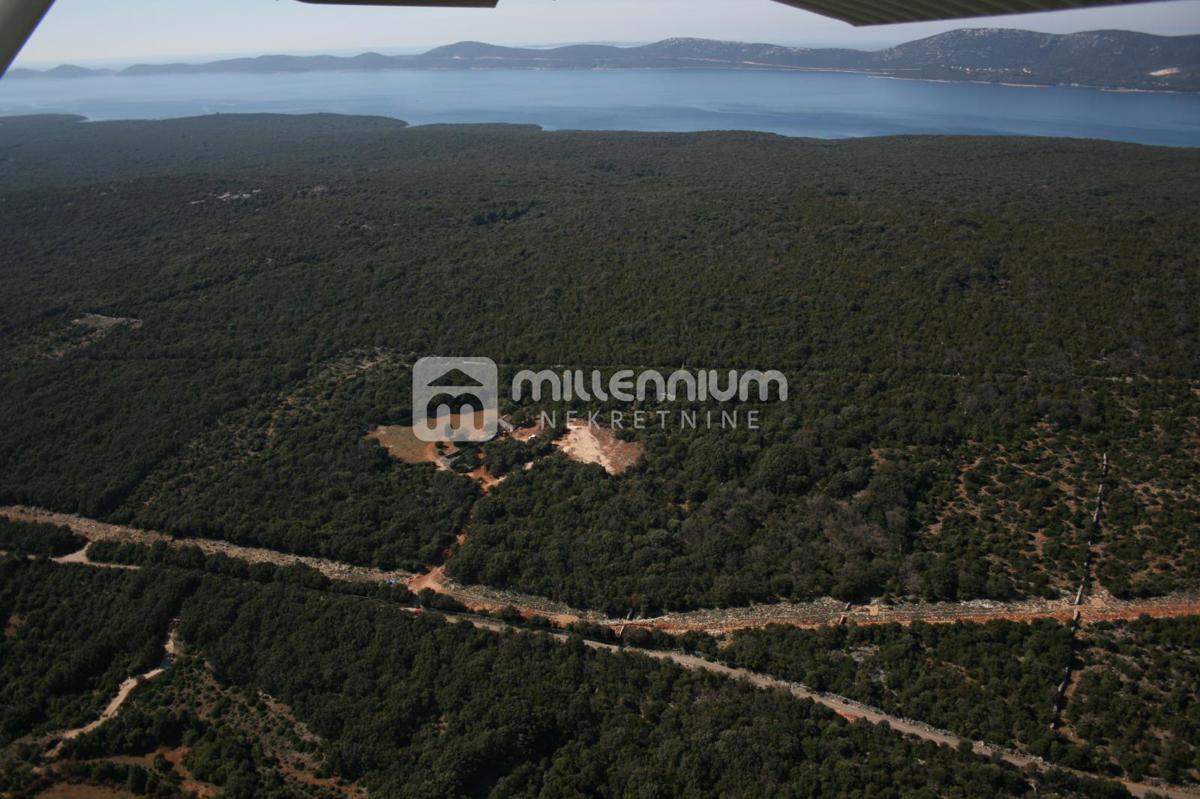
x: 175, y: 756
x: 432, y: 579
x: 328, y: 783
x: 485, y: 479
x: 1155, y: 609
x: 14, y: 624
x: 403, y: 445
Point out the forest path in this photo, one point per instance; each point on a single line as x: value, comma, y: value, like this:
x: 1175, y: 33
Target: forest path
x: 1100, y: 606
x: 170, y: 650
x: 82, y: 557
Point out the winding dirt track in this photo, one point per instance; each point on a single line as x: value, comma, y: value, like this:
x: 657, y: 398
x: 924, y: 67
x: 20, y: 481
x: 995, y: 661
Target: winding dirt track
x: 110, y: 710
x: 170, y: 649
x: 1101, y: 606
x: 812, y: 614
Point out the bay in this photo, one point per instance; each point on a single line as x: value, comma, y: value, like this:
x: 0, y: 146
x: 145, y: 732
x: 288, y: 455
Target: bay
x: 827, y: 105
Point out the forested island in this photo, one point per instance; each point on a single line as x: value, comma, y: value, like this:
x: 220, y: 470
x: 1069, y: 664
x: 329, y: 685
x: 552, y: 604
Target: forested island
x: 993, y: 425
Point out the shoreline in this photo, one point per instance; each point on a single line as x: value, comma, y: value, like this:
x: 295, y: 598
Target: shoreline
x: 715, y: 66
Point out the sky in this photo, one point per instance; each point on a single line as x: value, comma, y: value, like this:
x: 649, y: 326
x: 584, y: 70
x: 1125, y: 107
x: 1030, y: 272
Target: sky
x: 119, y: 32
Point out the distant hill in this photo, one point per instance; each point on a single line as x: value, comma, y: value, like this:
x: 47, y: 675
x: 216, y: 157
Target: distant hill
x: 1111, y: 59
x: 1105, y: 59
x: 64, y: 71
x: 276, y: 63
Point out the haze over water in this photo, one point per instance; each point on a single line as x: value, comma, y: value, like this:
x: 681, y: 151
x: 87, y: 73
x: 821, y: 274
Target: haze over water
x: 813, y: 104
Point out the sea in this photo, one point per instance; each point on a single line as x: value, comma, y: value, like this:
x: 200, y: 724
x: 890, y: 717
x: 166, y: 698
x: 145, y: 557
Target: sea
x: 826, y: 105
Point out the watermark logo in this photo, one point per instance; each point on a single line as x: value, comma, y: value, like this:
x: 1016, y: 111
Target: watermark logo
x: 629, y: 386
x: 456, y: 400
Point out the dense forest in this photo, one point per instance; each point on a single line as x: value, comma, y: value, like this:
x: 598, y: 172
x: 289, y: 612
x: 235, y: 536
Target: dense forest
x: 867, y: 487
x: 1143, y: 670
x: 73, y: 634
x: 278, y: 680
x: 992, y: 681
x: 44, y: 540
x: 283, y: 670
x: 203, y: 321
x: 998, y: 682
x: 968, y: 326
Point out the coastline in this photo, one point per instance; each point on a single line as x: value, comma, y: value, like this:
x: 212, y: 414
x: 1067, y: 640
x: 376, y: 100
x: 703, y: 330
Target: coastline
x: 714, y: 65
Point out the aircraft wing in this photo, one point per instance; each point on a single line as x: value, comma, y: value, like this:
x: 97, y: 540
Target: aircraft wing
x: 18, y: 18
x: 887, y: 12
x: 856, y: 12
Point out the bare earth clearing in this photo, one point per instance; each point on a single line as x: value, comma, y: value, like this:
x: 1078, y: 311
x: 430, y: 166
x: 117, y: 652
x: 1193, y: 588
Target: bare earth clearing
x: 582, y: 442
x: 587, y: 443
x: 94, y: 327
x: 402, y: 444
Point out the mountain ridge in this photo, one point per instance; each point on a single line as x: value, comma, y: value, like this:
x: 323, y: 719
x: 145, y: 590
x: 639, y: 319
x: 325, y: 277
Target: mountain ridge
x: 1106, y: 59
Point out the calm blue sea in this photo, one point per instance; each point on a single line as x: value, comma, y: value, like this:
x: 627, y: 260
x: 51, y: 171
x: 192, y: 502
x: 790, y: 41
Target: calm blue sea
x: 824, y: 105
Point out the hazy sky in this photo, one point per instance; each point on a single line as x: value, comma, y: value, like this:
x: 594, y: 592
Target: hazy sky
x: 128, y: 30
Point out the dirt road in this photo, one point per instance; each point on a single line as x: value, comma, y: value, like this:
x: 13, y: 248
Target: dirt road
x: 819, y: 613
x: 170, y: 650
x: 846, y: 708
x: 94, y: 530
x: 82, y: 557
x: 802, y: 614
